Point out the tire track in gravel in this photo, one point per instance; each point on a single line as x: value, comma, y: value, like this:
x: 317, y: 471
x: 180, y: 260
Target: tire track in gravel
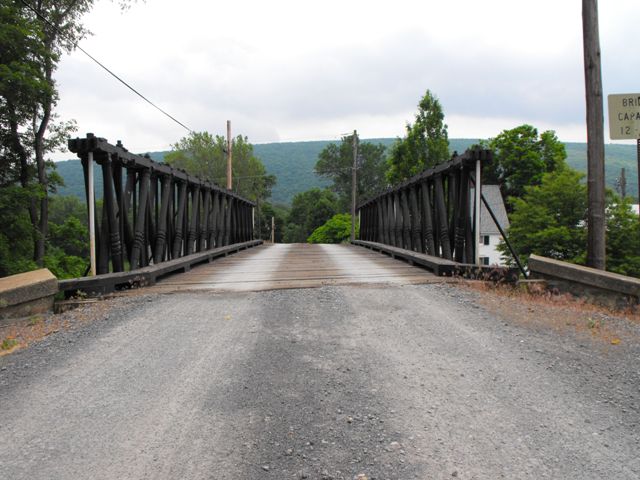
x: 304, y: 404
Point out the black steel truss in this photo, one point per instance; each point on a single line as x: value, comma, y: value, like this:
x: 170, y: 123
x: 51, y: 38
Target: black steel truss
x: 153, y: 213
x: 429, y: 213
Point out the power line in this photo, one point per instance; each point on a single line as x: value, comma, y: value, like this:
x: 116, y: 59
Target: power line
x: 75, y: 44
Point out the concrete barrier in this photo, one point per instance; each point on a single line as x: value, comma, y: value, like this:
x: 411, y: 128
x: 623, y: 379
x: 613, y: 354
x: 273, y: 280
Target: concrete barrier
x: 27, y: 293
x: 607, y: 288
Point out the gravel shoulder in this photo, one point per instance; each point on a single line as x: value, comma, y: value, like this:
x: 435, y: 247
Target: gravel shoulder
x: 387, y: 382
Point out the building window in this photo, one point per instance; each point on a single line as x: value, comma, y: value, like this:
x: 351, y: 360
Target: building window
x: 485, y: 240
x: 484, y: 260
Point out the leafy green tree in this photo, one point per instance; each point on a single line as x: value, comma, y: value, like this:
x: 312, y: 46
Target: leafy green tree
x: 21, y: 81
x: 63, y: 207
x: 335, y: 162
x: 623, y: 238
x: 521, y: 158
x: 203, y: 155
x: 335, y: 230
x: 550, y: 218
x: 16, y: 251
x: 279, y: 214
x: 425, y: 145
x: 68, y: 243
x: 34, y: 34
x: 309, y: 210
x: 36, y: 37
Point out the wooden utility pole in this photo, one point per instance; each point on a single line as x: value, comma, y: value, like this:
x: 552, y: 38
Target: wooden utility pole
x: 273, y: 230
x: 623, y: 183
x: 354, y: 184
x: 229, y: 156
x: 595, y: 136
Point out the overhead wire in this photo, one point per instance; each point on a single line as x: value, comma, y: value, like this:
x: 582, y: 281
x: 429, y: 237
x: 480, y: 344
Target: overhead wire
x: 76, y: 45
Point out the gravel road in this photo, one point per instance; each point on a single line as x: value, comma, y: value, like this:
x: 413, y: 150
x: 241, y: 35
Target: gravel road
x: 369, y: 382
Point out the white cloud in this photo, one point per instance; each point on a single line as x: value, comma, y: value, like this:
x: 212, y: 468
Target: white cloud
x: 291, y: 70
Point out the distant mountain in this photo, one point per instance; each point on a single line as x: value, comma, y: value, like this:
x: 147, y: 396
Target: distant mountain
x: 292, y: 163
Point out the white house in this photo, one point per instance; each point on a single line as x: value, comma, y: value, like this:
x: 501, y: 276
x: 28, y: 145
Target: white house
x: 489, y: 234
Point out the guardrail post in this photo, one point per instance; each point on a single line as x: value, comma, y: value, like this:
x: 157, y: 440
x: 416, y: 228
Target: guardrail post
x: 441, y: 213
x: 139, y: 246
x: 112, y: 222
x: 161, y: 235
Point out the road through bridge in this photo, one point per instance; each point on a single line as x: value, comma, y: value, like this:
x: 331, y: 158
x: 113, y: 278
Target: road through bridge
x: 296, y: 265
x: 379, y: 380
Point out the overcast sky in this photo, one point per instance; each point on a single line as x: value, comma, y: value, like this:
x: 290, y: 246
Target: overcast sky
x: 288, y: 70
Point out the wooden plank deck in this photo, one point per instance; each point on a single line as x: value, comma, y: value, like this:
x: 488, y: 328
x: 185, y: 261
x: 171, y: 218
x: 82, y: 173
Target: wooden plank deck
x: 282, y: 266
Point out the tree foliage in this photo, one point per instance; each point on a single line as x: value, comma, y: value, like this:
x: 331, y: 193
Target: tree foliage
x: 204, y: 155
x: 335, y: 230
x: 521, y: 157
x: 335, y: 162
x: 425, y: 144
x: 33, y: 37
x: 16, y: 251
x: 279, y: 214
x: 623, y: 237
x: 549, y: 219
x: 309, y: 210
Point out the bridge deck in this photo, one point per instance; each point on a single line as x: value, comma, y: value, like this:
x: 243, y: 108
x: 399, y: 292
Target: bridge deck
x: 280, y: 266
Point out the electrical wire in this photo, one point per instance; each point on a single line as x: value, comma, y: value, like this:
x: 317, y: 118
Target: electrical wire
x: 75, y: 44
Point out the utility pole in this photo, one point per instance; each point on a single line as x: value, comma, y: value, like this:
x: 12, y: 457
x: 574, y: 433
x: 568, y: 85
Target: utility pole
x: 622, y: 183
x: 273, y: 230
x: 354, y: 185
x: 595, y: 136
x: 229, y: 156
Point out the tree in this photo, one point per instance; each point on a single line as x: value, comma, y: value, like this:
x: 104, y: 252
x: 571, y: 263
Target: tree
x: 21, y: 81
x: 203, y: 155
x: 425, y: 145
x: 279, y: 214
x: 550, y: 218
x: 15, y: 255
x: 309, y: 210
x: 521, y: 158
x: 335, y: 230
x: 33, y: 37
x: 335, y: 162
x: 46, y: 30
x: 623, y: 237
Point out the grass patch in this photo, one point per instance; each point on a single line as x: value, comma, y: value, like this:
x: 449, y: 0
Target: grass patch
x: 8, y: 343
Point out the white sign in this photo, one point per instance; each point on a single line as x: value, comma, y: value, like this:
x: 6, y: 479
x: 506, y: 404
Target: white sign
x: 624, y: 116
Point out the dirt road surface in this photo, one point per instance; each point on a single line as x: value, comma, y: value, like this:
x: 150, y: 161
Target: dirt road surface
x: 338, y: 382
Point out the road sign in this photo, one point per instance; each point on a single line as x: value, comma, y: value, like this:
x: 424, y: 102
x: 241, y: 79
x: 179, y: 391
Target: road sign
x: 624, y: 116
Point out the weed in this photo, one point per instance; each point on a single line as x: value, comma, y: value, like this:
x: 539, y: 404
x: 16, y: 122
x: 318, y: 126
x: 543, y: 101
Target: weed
x: 35, y: 320
x: 8, y: 343
x: 80, y: 295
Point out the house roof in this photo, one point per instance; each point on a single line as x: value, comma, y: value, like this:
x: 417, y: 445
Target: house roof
x: 495, y: 201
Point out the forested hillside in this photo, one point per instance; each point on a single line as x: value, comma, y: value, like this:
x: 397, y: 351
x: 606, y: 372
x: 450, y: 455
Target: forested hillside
x: 292, y: 163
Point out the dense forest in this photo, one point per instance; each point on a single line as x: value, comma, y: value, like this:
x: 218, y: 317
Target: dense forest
x: 293, y: 165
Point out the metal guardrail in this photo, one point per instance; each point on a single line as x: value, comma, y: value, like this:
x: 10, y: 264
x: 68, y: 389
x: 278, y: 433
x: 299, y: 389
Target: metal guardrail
x: 153, y: 213
x: 430, y: 213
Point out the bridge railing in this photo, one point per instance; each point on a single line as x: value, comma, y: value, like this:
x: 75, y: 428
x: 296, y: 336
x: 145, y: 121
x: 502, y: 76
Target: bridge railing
x: 430, y: 213
x: 152, y: 213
